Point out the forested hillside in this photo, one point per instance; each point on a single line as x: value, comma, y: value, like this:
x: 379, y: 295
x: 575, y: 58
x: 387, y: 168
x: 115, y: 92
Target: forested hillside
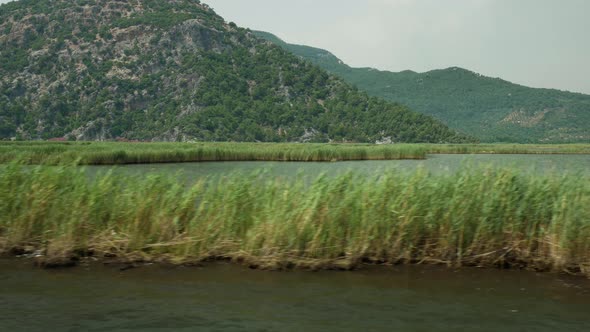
x: 173, y: 70
x: 490, y: 109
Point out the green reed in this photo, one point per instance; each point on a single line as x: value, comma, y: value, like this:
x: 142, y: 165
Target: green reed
x: 479, y: 216
x: 111, y: 153
x: 508, y: 148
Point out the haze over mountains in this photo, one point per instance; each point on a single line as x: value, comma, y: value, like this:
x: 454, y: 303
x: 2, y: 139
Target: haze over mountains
x: 490, y: 109
x: 173, y: 70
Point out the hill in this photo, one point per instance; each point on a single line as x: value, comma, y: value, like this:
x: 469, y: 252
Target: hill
x: 490, y: 109
x: 173, y: 70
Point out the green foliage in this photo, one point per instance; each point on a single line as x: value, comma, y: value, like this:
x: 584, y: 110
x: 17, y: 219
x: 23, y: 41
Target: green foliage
x: 172, y: 70
x: 13, y: 59
x: 490, y: 109
x: 109, y: 153
x: 482, y: 217
x: 158, y: 19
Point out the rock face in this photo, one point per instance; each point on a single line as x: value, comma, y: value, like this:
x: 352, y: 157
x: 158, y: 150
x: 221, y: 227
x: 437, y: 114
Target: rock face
x: 174, y: 70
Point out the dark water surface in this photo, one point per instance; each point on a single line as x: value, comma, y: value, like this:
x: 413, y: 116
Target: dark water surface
x: 225, y: 297
x: 438, y: 164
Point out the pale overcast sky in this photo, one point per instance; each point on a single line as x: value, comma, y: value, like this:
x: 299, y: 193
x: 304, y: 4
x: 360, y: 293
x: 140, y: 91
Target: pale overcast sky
x: 540, y: 43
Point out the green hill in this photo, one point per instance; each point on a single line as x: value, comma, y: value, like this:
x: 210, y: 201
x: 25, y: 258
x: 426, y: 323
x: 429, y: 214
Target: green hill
x: 173, y: 70
x: 491, y: 109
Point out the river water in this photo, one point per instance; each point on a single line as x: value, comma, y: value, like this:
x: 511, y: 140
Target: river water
x: 224, y: 297
x: 438, y: 164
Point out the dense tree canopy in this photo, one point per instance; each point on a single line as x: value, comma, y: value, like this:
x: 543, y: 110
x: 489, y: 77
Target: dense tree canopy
x: 174, y: 70
x: 490, y: 109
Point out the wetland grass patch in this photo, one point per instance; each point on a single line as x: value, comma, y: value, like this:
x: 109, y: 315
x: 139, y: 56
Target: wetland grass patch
x: 508, y: 148
x: 478, y: 216
x: 113, y: 153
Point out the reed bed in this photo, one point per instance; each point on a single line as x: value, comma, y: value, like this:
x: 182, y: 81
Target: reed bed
x: 508, y: 148
x: 479, y: 216
x: 113, y: 153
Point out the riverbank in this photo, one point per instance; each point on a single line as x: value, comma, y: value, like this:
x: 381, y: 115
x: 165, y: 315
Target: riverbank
x: 116, y: 153
x: 475, y: 217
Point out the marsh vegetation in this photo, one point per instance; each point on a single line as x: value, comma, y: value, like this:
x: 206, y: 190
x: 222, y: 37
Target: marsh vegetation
x: 477, y: 216
x: 112, y: 153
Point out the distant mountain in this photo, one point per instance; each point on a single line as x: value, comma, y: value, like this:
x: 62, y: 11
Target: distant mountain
x: 173, y: 70
x: 490, y: 109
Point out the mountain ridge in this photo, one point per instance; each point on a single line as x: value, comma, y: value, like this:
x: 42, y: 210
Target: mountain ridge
x: 492, y: 109
x: 173, y: 70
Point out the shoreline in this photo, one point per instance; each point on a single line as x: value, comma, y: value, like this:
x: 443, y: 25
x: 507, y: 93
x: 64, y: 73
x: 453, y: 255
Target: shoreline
x: 125, y: 263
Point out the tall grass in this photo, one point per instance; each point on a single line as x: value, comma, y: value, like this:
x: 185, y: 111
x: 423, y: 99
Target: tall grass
x: 484, y: 217
x: 508, y: 148
x: 111, y: 153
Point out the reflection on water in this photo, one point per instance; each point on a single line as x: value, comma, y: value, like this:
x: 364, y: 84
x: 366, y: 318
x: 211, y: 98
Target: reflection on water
x: 225, y: 297
x: 438, y: 164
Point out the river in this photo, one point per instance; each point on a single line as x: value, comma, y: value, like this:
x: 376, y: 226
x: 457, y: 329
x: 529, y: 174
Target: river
x: 438, y: 164
x: 224, y: 297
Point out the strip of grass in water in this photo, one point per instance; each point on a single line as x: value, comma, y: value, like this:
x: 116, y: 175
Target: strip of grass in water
x: 508, y: 148
x: 482, y: 217
x: 111, y: 153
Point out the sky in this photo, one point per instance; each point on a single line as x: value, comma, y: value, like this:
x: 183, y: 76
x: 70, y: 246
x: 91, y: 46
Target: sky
x: 539, y: 43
